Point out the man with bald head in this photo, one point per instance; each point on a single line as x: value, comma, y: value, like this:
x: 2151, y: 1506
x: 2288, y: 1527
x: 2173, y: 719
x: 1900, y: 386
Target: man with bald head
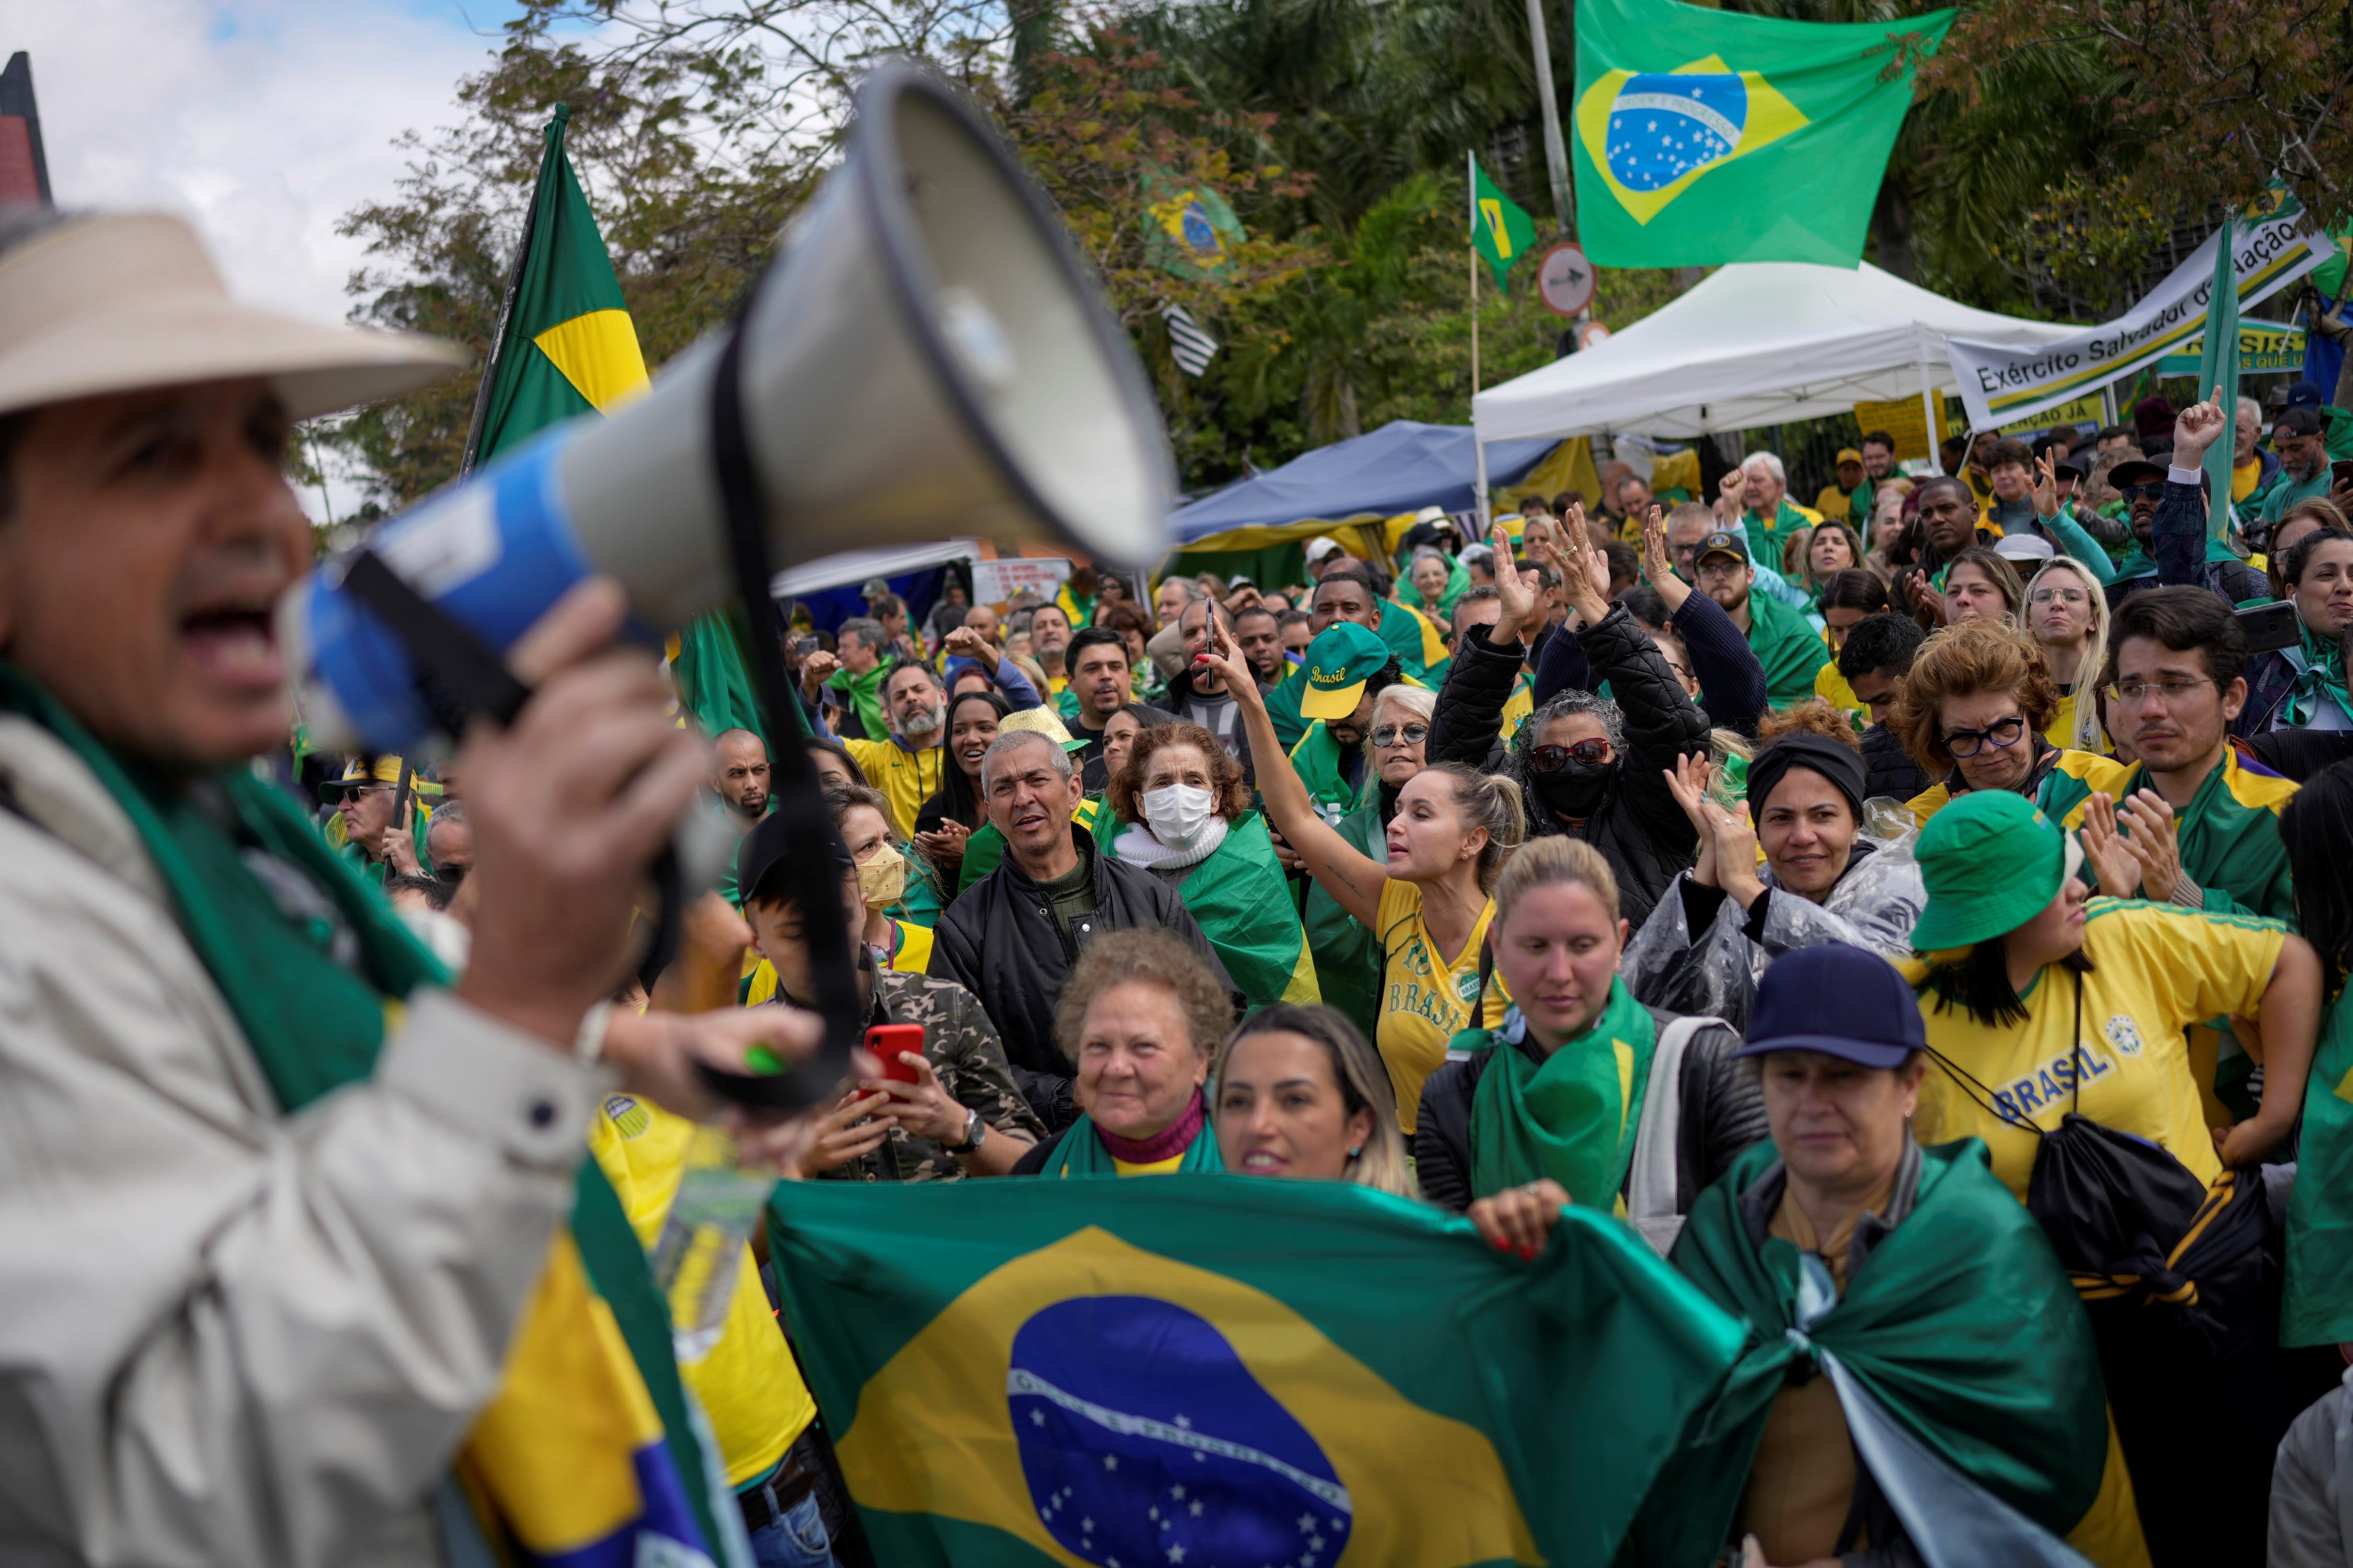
x: 739, y: 773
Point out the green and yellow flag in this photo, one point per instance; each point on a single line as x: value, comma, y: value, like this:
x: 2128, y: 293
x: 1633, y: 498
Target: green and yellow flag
x: 1500, y: 229
x: 1706, y: 136
x: 1190, y: 231
x: 1239, y: 899
x: 1211, y: 1371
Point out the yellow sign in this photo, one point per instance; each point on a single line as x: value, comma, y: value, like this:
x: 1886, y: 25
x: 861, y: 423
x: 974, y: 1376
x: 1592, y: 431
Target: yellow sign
x: 2082, y: 411
x: 1907, y: 422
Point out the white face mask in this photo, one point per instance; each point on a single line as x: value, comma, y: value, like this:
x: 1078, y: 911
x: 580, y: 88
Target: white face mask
x: 1177, y: 813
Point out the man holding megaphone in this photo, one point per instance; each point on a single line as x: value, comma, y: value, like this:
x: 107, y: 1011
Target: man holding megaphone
x: 242, y: 1320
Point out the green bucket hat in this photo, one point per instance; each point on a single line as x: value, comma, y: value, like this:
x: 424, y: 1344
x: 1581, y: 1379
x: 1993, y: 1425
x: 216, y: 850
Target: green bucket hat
x: 1990, y: 861
x: 1337, y: 663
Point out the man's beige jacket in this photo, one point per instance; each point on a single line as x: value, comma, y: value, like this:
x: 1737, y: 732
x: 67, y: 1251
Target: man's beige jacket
x: 229, y: 1336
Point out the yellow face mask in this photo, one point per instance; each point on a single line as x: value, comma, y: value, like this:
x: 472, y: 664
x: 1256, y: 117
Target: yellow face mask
x: 883, y: 880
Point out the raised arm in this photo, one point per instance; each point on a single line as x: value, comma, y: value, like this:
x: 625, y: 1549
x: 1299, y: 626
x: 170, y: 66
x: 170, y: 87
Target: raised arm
x: 2178, y: 533
x: 1353, y: 879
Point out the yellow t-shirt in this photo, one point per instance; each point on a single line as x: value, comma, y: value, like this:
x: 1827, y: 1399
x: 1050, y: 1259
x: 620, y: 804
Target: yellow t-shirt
x: 2062, y: 732
x: 1832, y: 687
x: 2243, y: 477
x: 748, y: 1384
x: 2157, y: 969
x: 906, y: 778
x: 1425, y: 1001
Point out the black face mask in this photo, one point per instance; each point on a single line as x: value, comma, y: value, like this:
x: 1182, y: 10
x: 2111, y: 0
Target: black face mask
x: 1576, y: 789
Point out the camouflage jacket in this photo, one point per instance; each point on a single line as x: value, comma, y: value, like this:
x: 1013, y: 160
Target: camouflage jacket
x: 962, y: 1046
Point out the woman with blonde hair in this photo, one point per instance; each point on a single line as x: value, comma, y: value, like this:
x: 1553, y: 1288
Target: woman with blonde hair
x: 1580, y: 1094
x: 1301, y: 1094
x: 1348, y: 956
x: 2067, y: 615
x: 1427, y: 900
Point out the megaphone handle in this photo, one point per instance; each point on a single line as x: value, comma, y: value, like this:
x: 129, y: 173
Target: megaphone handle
x: 793, y: 778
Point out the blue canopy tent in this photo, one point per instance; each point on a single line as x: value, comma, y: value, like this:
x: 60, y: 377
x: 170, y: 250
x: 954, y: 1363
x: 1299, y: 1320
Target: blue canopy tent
x: 1259, y: 527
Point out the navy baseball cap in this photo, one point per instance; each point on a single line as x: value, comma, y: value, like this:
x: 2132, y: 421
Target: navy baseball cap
x: 1724, y: 542
x: 1840, y: 1000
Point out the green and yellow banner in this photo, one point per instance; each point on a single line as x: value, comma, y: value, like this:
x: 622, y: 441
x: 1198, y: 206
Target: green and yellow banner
x: 1185, y: 1371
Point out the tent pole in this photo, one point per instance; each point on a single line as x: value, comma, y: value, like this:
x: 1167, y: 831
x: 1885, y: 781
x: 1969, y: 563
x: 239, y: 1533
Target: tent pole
x: 1929, y: 421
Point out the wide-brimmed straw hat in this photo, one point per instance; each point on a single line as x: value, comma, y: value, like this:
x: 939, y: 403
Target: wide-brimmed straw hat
x: 118, y: 302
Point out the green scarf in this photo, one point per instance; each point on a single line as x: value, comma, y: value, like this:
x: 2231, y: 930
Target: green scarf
x: 1081, y: 1153
x: 1237, y: 898
x: 2318, y: 1310
x: 1961, y: 1323
x: 2319, y: 677
x: 865, y: 694
x: 314, y: 1026
x: 1572, y: 1117
x: 1347, y: 954
x: 1317, y: 759
x: 1458, y: 583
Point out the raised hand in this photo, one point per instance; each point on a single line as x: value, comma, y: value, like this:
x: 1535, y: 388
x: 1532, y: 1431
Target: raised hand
x: 1519, y: 600
x: 2196, y: 427
x: 2046, y: 487
x: 965, y: 643
x: 1585, y: 576
x: 2112, y: 861
x: 1227, y: 661
x: 817, y: 669
x: 1732, y: 497
x: 1657, y: 566
x: 1688, y: 781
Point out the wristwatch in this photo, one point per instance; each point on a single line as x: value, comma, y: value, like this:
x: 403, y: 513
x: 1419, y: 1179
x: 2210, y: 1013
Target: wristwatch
x: 974, y: 1131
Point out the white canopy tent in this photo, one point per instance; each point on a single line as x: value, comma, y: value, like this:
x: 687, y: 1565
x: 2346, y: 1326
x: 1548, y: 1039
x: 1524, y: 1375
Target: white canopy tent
x: 1754, y: 343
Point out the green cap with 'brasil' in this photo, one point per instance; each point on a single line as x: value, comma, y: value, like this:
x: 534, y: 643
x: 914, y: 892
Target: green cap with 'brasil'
x: 1337, y: 663
x: 1990, y: 861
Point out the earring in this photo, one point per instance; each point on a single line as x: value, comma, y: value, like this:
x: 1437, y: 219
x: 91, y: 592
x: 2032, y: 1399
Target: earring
x: 1356, y: 1151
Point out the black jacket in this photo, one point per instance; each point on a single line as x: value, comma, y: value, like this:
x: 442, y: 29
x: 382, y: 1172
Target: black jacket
x: 1888, y: 769
x: 1723, y: 1113
x: 1000, y: 942
x: 1638, y: 827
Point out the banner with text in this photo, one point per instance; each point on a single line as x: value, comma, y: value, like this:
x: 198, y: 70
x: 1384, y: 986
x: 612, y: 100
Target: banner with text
x: 2003, y: 386
x: 994, y: 582
x: 2265, y: 348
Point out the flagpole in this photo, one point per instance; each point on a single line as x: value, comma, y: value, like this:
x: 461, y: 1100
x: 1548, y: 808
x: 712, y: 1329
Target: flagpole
x: 1555, y: 151
x: 1479, y: 493
x: 555, y: 137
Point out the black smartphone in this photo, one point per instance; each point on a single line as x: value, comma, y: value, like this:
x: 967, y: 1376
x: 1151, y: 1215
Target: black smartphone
x: 2341, y: 470
x: 805, y: 647
x: 2269, y: 626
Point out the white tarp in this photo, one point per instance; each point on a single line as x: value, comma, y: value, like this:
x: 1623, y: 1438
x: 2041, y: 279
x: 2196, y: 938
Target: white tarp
x: 2001, y: 387
x: 1757, y: 343
x: 856, y: 565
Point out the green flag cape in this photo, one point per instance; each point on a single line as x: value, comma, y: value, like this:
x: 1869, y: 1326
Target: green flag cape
x: 1703, y: 136
x: 1283, y: 707
x: 2229, y: 837
x: 1572, y: 1117
x: 1081, y: 1153
x: 2318, y: 1307
x: 1237, y: 898
x: 1501, y: 230
x: 315, y: 1026
x: 1961, y: 1325
x: 714, y: 678
x: 1316, y: 760
x: 2218, y: 365
x: 1347, y: 954
x: 1239, y: 1369
x: 1413, y: 640
x: 1789, y: 648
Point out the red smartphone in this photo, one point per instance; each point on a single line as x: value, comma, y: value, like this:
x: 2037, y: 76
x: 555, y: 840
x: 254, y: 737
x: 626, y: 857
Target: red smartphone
x: 887, y: 1040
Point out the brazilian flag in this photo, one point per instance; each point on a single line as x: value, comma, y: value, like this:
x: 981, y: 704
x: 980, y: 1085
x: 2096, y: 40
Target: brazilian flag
x: 1205, y: 1372
x: 1239, y: 899
x: 1703, y: 136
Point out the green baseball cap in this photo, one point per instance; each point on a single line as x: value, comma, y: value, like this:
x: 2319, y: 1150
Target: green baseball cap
x: 1990, y: 861
x: 1338, y: 664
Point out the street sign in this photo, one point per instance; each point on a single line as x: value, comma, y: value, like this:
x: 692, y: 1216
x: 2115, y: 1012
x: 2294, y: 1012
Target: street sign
x: 1591, y: 336
x: 1565, y: 280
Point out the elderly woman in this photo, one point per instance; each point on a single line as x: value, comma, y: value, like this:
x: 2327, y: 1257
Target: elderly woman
x: 1139, y: 1015
x: 1347, y: 954
x: 1187, y: 817
x: 1825, y: 878
x: 1895, y: 1295
x: 1581, y: 1093
x: 1426, y: 900
x: 2056, y: 1024
x: 1972, y: 713
x: 1301, y: 1094
x: 1433, y: 581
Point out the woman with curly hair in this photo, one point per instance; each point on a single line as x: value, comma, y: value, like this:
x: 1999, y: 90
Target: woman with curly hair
x: 1190, y: 822
x: 1973, y: 712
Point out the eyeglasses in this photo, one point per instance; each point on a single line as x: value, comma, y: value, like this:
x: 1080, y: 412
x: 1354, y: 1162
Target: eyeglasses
x: 2065, y: 596
x: 452, y: 875
x: 2153, y: 491
x: 1552, y: 759
x: 2000, y: 733
x: 2139, y: 691
x: 1391, y: 734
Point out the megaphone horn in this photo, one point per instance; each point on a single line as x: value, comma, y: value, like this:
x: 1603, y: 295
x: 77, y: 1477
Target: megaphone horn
x: 927, y: 359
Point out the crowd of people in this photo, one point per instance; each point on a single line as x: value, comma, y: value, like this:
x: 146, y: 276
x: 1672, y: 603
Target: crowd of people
x: 1921, y: 916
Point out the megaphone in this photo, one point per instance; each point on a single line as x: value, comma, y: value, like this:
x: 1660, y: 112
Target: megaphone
x: 925, y: 359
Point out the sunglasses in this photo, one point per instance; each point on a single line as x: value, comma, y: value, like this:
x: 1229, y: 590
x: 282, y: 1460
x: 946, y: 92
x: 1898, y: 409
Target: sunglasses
x: 1390, y: 734
x: 353, y: 791
x: 1552, y: 759
x: 2153, y: 491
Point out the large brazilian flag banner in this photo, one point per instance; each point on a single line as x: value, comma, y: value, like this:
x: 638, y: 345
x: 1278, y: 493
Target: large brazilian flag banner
x: 1233, y: 1372
x: 1706, y: 136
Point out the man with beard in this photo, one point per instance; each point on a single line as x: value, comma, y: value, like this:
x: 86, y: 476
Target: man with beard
x: 739, y: 773
x: 1050, y: 637
x: 1100, y: 677
x: 1784, y: 644
x: 1198, y: 696
x: 905, y: 765
x: 1258, y: 632
x: 2302, y: 446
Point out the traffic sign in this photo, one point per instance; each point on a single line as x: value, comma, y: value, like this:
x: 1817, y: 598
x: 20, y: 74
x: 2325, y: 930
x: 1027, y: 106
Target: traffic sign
x: 1591, y: 336
x: 1565, y: 280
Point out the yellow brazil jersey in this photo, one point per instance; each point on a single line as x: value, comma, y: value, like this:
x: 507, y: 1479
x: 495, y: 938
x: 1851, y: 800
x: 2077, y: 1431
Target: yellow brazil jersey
x: 911, y: 954
x: 2063, y: 793
x: 2158, y: 968
x: 748, y: 1384
x: 906, y: 778
x: 1425, y: 1001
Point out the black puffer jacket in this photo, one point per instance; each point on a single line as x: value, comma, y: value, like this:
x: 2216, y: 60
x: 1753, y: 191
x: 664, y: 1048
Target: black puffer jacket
x: 1888, y: 769
x: 1723, y: 1113
x: 1638, y: 827
x: 1006, y: 917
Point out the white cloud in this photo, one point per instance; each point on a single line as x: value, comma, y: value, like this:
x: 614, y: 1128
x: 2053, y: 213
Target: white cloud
x: 264, y: 120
